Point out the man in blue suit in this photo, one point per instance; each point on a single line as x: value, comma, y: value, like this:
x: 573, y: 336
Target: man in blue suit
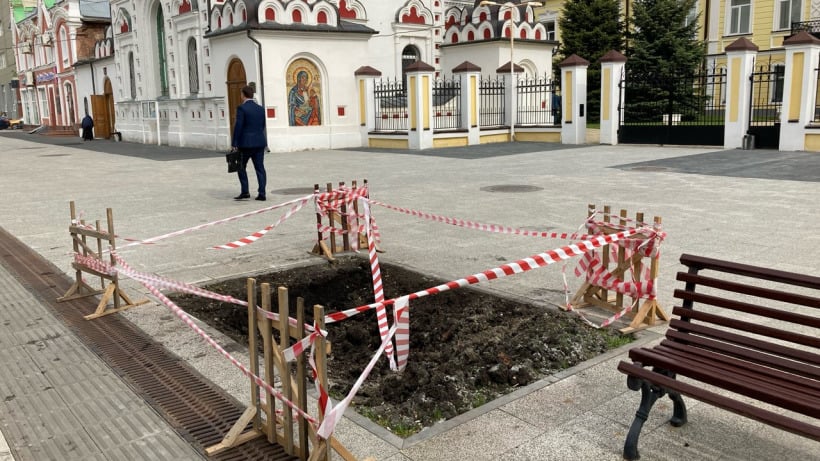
x: 251, y: 140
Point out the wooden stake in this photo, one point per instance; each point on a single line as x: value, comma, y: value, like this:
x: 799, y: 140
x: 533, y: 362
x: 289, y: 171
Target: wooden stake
x: 284, y: 370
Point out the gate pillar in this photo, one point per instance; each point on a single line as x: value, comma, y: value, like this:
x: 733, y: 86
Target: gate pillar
x: 798, y: 90
x: 470, y: 75
x: 420, y: 77
x: 612, y: 71
x: 740, y: 59
x: 574, y: 99
x: 365, y: 82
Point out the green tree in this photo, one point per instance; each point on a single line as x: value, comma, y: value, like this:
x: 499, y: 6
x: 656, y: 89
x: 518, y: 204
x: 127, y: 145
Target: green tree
x: 662, y: 37
x: 664, y: 54
x: 589, y: 29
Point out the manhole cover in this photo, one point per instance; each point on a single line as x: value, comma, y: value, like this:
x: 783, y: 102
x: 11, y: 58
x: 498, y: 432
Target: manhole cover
x: 650, y: 168
x: 54, y: 155
x: 511, y: 188
x: 293, y: 191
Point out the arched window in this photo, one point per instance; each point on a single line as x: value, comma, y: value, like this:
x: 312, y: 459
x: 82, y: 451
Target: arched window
x: 454, y: 39
x: 321, y: 18
x: 270, y: 14
x: 64, y: 50
x: 409, y: 55
x: 297, y: 16
x: 470, y: 36
x: 132, y: 75
x: 193, y: 67
x: 163, y: 64
x: 487, y: 34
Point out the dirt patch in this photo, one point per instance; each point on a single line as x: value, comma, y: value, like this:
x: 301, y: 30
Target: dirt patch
x: 466, y: 347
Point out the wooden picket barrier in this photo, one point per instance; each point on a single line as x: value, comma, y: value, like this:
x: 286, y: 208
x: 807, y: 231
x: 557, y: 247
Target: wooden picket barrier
x: 338, y: 220
x: 298, y: 438
x: 592, y: 295
x: 80, y: 236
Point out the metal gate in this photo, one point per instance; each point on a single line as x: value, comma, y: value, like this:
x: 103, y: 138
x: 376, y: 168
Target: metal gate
x: 766, y: 100
x: 685, y: 109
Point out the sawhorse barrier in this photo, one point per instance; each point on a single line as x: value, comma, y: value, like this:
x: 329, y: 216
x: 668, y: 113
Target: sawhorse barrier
x: 81, y: 233
x: 338, y: 222
x: 616, y: 267
x: 277, y: 425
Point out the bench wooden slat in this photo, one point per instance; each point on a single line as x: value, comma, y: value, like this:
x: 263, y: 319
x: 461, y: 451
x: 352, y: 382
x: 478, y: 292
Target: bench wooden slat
x: 741, y: 367
x: 768, y: 312
x: 764, y: 330
x: 774, y: 275
x: 751, y: 290
x: 711, y: 375
x: 780, y: 363
x: 773, y: 419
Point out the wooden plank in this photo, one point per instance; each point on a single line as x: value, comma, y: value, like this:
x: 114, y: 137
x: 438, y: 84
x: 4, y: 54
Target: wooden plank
x: 270, y: 379
x: 331, y: 219
x: 253, y: 349
x: 284, y: 370
x: 301, y: 381
x: 343, y: 219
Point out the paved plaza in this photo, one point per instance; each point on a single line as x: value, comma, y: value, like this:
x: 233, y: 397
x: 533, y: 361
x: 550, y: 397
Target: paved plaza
x: 758, y: 207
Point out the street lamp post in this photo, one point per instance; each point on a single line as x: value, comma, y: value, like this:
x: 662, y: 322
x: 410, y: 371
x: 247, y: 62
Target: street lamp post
x: 509, y: 6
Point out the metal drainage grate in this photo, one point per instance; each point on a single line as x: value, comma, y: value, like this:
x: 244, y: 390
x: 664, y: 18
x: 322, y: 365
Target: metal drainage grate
x: 293, y: 191
x: 511, y: 188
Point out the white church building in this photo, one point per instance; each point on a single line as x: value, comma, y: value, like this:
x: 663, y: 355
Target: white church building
x: 177, y: 66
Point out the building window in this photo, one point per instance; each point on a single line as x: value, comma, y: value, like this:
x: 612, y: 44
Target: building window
x: 788, y: 11
x: 43, y: 102
x: 740, y: 16
x: 779, y: 71
x: 193, y: 67
x: 64, y: 55
x: 409, y: 55
x: 132, y: 77
x: 69, y: 102
x: 163, y: 64
x: 550, y: 26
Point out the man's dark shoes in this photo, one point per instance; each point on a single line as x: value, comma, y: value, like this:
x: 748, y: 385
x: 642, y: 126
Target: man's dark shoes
x: 242, y: 196
x: 261, y: 198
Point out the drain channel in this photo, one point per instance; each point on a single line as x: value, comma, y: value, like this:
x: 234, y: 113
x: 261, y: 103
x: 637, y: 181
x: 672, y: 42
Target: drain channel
x: 198, y: 410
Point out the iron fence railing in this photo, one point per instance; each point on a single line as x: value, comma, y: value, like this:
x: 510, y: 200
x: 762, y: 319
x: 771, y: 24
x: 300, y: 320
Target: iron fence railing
x: 447, y: 104
x: 812, y: 27
x: 391, y: 105
x: 766, y: 95
x: 539, y: 102
x: 491, y: 96
x: 686, y: 98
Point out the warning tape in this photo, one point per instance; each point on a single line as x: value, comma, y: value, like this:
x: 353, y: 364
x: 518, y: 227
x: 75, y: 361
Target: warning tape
x: 522, y: 265
x: 259, y: 234
x: 378, y: 289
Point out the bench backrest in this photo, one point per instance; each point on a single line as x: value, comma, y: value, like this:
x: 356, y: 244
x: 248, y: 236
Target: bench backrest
x: 765, y: 316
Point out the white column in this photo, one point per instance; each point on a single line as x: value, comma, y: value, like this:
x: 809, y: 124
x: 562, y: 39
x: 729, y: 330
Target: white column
x: 420, y: 80
x: 470, y: 76
x: 365, y: 84
x: 740, y: 60
x: 802, y: 56
x: 510, y: 95
x: 574, y: 100
x: 612, y: 71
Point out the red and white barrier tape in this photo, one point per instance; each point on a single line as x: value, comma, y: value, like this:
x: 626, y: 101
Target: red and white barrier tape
x: 496, y: 228
x: 378, y: 288
x: 182, y: 315
x: 259, y: 234
x: 523, y: 265
x: 401, y: 318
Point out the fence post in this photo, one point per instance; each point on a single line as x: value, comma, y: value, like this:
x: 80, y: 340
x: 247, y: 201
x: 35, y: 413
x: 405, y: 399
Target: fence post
x: 365, y: 81
x: 799, y: 90
x: 510, y: 95
x: 574, y: 99
x: 740, y: 58
x: 470, y: 74
x: 420, y: 80
x: 612, y: 98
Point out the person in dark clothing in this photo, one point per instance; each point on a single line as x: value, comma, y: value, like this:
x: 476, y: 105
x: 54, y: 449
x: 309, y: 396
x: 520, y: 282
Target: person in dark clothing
x: 251, y: 140
x: 88, y: 128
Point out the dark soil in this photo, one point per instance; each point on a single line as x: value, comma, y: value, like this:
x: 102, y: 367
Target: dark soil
x: 466, y: 347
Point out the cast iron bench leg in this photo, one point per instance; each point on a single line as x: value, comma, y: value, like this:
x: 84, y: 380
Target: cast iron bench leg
x: 649, y: 395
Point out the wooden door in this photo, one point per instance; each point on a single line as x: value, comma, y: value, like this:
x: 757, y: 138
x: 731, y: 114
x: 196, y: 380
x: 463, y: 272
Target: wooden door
x: 236, y: 80
x: 111, y: 114
x: 99, y: 111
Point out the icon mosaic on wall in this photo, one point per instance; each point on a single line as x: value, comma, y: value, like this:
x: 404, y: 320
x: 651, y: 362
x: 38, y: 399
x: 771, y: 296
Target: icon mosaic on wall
x: 304, y: 86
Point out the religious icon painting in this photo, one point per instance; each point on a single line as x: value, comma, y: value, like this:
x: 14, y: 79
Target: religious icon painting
x: 304, y: 87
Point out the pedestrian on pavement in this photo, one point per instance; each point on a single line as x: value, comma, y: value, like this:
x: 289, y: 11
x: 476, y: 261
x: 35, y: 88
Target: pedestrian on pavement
x: 88, y: 128
x: 251, y: 140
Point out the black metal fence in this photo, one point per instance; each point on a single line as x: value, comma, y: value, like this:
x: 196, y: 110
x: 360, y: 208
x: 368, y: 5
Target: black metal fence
x: 491, y: 96
x: 812, y: 27
x: 447, y: 104
x: 766, y: 102
x: 391, y: 106
x: 539, y: 102
x: 684, y: 108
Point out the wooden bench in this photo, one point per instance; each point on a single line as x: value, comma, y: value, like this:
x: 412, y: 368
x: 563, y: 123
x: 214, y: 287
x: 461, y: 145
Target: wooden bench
x: 769, y: 358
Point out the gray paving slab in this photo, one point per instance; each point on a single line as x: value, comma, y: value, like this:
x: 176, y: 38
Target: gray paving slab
x: 58, y: 401
x: 757, y: 206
